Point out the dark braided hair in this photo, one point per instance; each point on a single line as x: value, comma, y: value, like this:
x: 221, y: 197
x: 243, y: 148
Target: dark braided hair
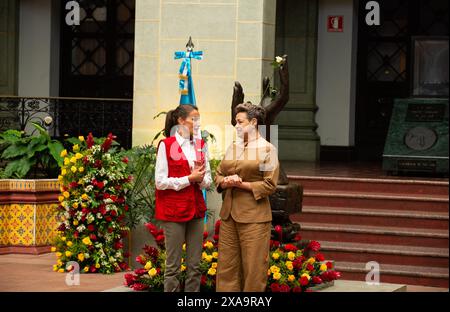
x: 172, y: 116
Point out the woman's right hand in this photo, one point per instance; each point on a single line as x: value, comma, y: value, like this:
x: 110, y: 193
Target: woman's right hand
x: 231, y: 181
x: 197, y: 174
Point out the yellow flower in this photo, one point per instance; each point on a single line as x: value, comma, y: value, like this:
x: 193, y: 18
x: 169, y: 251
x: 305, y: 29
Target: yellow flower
x: 63, y: 172
x: 204, y: 255
x: 75, y: 205
x: 323, y: 267
x: 58, y: 254
x: 61, y: 270
x: 148, y: 265
x: 87, y: 241
x: 81, y: 257
x: 274, y: 269
x: 97, y: 265
x: 69, y: 244
x: 289, y: 265
x: 76, y: 147
x: 311, y: 260
x: 275, y: 255
x: 63, y: 153
x: 291, y: 255
x: 66, y: 161
x: 75, y: 222
x: 60, y: 198
x: 81, y: 169
x: 55, y: 268
x: 307, y: 276
x: 291, y: 278
x: 212, y: 272
x: 184, y: 247
x: 183, y: 268
x: 83, y: 205
x: 53, y: 249
x: 66, y: 194
x: 78, y: 156
x: 152, y: 272
x: 81, y: 138
x: 215, y: 254
x: 209, y: 245
x: 74, y: 169
x: 73, y: 159
x: 276, y: 276
x: 68, y: 253
x: 84, y: 196
x: 214, y: 265
x: 59, y: 263
x: 63, y: 238
x: 209, y: 258
x: 60, y: 178
x: 86, y: 269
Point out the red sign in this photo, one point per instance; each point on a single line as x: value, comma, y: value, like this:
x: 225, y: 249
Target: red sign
x: 336, y: 23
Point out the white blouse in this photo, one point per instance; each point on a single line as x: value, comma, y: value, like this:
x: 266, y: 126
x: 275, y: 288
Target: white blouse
x: 163, y: 182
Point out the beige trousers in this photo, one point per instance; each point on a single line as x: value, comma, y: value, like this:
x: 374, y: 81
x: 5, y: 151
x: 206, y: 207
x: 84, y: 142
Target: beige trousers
x: 243, y: 256
x: 176, y: 234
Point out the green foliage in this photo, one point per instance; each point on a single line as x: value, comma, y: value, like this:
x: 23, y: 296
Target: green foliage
x: 141, y: 195
x: 25, y: 156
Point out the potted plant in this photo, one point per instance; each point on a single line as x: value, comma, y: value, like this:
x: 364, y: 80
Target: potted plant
x: 28, y: 190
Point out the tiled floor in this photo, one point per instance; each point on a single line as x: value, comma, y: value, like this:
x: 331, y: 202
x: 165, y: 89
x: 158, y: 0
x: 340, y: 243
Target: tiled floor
x: 19, y: 273
x: 348, y: 170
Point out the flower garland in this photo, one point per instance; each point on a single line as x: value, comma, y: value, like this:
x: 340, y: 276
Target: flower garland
x: 92, y: 208
x: 291, y: 269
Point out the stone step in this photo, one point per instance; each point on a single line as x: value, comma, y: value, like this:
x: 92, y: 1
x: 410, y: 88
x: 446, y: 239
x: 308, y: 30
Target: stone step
x: 397, y: 274
x: 374, y: 234
x: 370, y: 185
x: 374, y: 217
x: 435, y: 203
x: 386, y: 254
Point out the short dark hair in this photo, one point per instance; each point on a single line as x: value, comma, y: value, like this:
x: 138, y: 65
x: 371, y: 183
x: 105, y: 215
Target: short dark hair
x: 253, y: 111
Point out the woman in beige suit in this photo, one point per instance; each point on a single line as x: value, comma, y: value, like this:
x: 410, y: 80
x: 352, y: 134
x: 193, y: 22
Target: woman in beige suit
x: 247, y: 175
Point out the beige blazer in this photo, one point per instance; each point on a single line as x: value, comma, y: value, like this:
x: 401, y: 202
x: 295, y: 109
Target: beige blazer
x: 258, y: 164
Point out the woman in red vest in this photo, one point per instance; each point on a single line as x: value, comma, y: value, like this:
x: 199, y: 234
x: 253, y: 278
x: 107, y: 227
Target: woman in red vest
x: 182, y: 170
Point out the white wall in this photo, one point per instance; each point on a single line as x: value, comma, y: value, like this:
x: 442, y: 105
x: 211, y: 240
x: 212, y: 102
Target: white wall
x: 336, y: 74
x: 38, y: 56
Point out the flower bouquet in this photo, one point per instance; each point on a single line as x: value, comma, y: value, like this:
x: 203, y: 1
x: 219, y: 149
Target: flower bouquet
x: 92, y: 207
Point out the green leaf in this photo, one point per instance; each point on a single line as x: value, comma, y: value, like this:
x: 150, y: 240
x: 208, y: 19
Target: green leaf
x: 56, y: 148
x: 19, y: 168
x: 41, y: 130
x: 157, y: 135
x: 159, y: 114
x: 10, y: 136
x: 73, y: 141
x: 37, y: 144
x: 15, y: 150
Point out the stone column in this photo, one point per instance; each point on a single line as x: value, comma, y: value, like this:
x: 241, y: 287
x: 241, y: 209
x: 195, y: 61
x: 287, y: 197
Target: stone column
x: 297, y: 36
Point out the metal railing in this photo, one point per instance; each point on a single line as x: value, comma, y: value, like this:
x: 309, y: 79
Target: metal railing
x: 69, y: 116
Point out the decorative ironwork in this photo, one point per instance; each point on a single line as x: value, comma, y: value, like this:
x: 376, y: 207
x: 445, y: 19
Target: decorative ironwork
x: 71, y: 116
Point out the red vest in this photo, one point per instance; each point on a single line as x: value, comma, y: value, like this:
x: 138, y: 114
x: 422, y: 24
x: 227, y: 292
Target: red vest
x: 185, y: 204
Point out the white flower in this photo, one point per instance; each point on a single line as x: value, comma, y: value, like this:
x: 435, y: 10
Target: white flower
x: 81, y: 228
x: 99, y: 215
x: 279, y: 59
x: 88, y: 188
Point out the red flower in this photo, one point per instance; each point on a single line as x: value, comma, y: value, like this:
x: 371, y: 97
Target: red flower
x: 100, y: 184
x: 310, y: 267
x: 203, y: 280
x: 113, y: 213
x: 75, y: 234
x: 151, y: 251
x: 107, y: 143
x: 298, y: 237
x: 274, y: 244
x: 98, y: 164
x: 275, y: 287
x: 110, y: 230
x: 126, y: 207
x: 304, y: 281
x: 139, y: 287
x: 217, y: 227
x: 91, y: 228
x: 125, y: 159
x: 121, y: 200
x: 102, y: 209
x: 141, y: 260
x: 130, y: 279
x: 316, y: 280
x: 85, y: 160
x: 113, y: 198
x: 123, y: 265
x: 279, y: 231
x: 73, y: 184
x: 93, y: 269
x: 140, y: 271
x: 205, y: 234
x: 108, y: 219
x: 314, y: 246
x: 90, y: 140
x: 285, y: 288
x: 297, y: 263
x: 93, y: 237
x: 320, y: 257
x: 160, y: 239
x: 297, y: 289
x: 329, y: 265
x: 216, y: 237
x: 290, y: 247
